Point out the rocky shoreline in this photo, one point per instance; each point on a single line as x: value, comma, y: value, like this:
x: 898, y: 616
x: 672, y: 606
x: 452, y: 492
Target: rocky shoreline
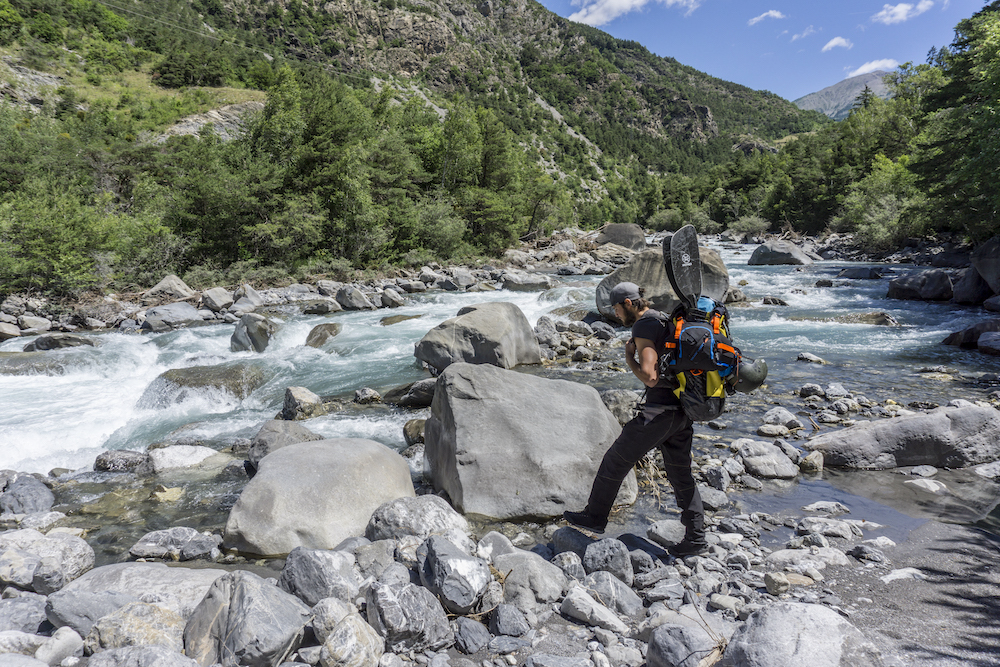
x: 369, y: 566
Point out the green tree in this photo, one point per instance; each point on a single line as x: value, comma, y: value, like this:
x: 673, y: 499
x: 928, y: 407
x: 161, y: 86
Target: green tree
x: 10, y: 23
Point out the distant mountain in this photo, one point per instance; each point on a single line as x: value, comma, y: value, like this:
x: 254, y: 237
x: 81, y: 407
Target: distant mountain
x: 836, y: 101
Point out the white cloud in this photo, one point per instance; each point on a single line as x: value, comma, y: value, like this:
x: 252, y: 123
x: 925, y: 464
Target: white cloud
x: 838, y: 41
x: 771, y: 14
x: 600, y: 12
x: 887, y: 64
x: 904, y: 11
x: 805, y: 33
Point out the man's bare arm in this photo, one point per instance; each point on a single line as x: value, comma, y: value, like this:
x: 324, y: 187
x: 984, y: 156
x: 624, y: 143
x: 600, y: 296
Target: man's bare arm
x: 645, y: 367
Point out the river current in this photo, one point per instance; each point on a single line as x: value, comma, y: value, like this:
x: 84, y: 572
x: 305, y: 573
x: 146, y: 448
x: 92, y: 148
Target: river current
x: 64, y: 421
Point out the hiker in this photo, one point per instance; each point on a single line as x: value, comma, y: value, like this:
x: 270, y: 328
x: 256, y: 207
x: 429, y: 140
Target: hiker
x: 660, y: 423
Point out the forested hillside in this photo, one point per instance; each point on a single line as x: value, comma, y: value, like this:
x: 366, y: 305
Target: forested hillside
x: 402, y: 131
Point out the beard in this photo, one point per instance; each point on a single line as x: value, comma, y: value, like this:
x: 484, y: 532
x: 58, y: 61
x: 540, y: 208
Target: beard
x: 631, y: 315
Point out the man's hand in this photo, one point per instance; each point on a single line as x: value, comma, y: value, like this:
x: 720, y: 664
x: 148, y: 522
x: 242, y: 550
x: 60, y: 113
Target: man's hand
x: 630, y: 349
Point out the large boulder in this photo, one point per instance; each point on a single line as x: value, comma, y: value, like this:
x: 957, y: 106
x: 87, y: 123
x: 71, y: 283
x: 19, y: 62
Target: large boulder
x: 238, y: 379
x: 986, y: 260
x: 934, y: 285
x: 26, y: 495
x: 315, y: 574
x: 217, y: 299
x: 969, y: 338
x: 316, y: 495
x: 170, y: 287
x: 647, y: 271
x: 42, y: 563
x: 409, y: 617
x: 495, y: 333
x: 507, y: 445
x: 626, y: 235
x: 421, y: 516
x: 793, y: 633
x: 244, y: 620
x: 778, y: 253
x: 178, y: 589
x: 252, y: 332
x: 971, y: 289
x: 170, y: 316
x: 948, y: 437
x: 79, y: 610
x: 58, y: 341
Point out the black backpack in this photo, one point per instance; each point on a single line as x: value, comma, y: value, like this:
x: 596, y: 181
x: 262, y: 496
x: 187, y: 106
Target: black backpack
x: 696, y: 357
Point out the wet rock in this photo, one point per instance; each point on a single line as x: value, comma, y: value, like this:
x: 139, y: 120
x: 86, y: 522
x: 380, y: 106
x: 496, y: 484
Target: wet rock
x: 25, y: 495
x: 321, y: 307
x: 774, y: 301
x: 367, y: 396
x: 861, y: 273
x: 989, y: 343
x: 971, y: 289
x: 170, y: 316
x: 42, y: 563
x: 321, y: 333
x: 532, y: 466
x: 58, y: 341
x: 123, y: 460
x: 986, y: 260
x: 177, y: 543
x: 522, y: 281
x: 783, y: 417
x: 408, y: 617
x: 136, y: 624
x: 300, y: 403
x: 392, y: 299
x: 179, y: 456
x: 456, y: 578
x: 490, y: 333
x: 315, y: 494
x: 777, y: 253
x: 790, y: 633
x: 969, y: 338
x: 929, y: 485
x: 944, y: 437
x: 811, y: 358
x: 413, y: 433
x: 876, y: 319
x: 934, y: 285
x: 238, y: 379
x: 253, y: 333
x: 243, y: 615
x: 315, y: 574
x: 276, y: 434
x: 421, y: 517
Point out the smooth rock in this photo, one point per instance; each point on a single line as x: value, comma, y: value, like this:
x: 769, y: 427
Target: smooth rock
x: 494, y: 333
x: 321, y: 333
x: 277, y: 434
x: 933, y: 285
x: 170, y: 316
x: 778, y: 253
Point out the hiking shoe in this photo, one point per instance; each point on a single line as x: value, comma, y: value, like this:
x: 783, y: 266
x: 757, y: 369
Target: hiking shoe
x: 687, y: 547
x: 589, y: 521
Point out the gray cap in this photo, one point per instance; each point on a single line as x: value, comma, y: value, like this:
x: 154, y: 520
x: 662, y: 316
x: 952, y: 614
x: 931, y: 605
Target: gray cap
x: 623, y: 291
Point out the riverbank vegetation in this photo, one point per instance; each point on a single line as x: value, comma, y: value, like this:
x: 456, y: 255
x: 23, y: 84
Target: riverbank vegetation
x: 350, y: 169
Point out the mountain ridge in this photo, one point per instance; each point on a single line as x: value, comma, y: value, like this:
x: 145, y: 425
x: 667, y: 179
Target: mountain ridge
x: 836, y: 101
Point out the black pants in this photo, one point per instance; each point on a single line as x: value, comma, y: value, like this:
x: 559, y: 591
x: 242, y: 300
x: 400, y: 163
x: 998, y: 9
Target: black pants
x: 671, y: 431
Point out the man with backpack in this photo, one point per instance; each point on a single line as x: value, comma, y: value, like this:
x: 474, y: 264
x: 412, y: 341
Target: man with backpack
x: 660, y: 423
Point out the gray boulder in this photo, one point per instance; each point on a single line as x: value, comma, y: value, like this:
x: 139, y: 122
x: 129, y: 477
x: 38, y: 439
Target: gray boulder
x: 58, y: 341
x: 136, y: 624
x: 170, y: 316
x: 535, y: 465
x: 409, y: 617
x: 352, y: 643
x: 315, y: 494
x: 422, y: 517
x: 971, y: 289
x: 989, y: 343
x: 315, y: 574
x: 141, y: 656
x: 217, y: 299
x: 42, y: 563
x: 417, y: 394
x: 986, y: 260
x: 321, y: 333
x: 253, y: 332
x: 934, y: 285
x: 778, y: 253
x: 276, y: 434
x: 673, y: 645
x: 470, y: 635
x: 9, y: 330
x: 178, y: 589
x: 646, y: 270
x: 25, y: 613
x: 861, y: 273
x: 790, y: 633
x: 531, y: 583
x: 626, y: 235
x: 523, y: 281
x: 179, y: 543
x: 351, y: 298
x: 970, y: 337
x: 170, y: 287
x: 239, y: 379
x: 245, y: 620
x: 64, y: 643
x: 613, y: 592
x: 79, y: 610
x: 948, y: 437
x: 301, y: 403
x: 609, y: 555
x: 762, y: 459
x: 490, y: 333
x: 123, y: 460
x: 458, y: 579
x: 26, y: 495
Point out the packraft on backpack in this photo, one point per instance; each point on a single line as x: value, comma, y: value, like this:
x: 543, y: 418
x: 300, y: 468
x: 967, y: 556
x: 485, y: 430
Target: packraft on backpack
x: 699, y: 355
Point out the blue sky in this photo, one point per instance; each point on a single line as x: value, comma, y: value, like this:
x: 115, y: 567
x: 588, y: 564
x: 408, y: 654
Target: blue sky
x: 789, y: 48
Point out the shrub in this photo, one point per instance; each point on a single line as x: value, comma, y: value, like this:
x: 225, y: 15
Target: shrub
x: 754, y: 225
x: 204, y: 276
